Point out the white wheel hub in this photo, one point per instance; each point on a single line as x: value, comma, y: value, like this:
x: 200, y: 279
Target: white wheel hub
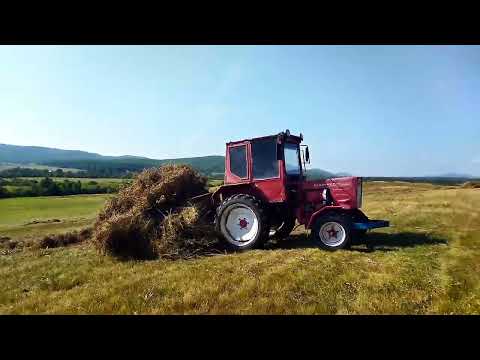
x: 241, y: 225
x: 332, y: 233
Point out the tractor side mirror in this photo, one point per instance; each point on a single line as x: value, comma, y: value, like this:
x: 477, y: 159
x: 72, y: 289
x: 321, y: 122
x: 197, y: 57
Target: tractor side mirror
x: 307, y: 155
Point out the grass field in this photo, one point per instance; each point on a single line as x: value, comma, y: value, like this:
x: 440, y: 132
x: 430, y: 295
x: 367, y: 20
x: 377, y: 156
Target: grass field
x: 428, y: 262
x: 74, y: 212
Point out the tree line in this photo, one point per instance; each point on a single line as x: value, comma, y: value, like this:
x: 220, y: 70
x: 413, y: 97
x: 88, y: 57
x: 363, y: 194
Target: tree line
x: 49, y: 187
x: 92, y: 173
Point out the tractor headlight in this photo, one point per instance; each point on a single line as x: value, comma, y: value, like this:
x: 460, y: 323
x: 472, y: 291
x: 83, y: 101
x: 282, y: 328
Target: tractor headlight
x: 359, y: 192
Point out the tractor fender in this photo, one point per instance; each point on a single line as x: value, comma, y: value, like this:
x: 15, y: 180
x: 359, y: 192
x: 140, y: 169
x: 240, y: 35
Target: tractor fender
x: 225, y: 191
x: 322, y: 211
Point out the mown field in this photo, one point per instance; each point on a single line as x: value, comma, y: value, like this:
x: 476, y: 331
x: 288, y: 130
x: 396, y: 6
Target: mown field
x: 428, y: 262
x: 73, y: 212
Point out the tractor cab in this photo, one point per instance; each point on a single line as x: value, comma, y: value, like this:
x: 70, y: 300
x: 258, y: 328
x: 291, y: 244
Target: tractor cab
x: 272, y: 164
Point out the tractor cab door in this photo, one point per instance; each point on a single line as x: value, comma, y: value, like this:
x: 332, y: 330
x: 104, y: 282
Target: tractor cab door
x: 293, y: 171
x: 237, y: 168
x: 266, y: 174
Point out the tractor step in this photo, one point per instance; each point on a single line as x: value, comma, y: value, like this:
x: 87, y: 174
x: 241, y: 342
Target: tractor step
x: 371, y: 224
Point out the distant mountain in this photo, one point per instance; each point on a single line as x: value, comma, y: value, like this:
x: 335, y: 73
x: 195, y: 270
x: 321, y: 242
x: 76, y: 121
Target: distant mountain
x: 453, y: 175
x: 111, y: 166
x: 342, y: 174
x: 94, y: 163
x: 39, y: 155
x: 207, y: 165
x: 314, y: 174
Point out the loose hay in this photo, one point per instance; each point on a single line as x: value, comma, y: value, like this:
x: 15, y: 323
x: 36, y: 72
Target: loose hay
x: 34, y: 222
x: 69, y: 238
x: 151, y: 217
x: 471, y: 185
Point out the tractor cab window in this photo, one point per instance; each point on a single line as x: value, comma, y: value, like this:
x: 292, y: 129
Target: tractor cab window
x: 264, y: 157
x: 292, y: 159
x: 238, y: 160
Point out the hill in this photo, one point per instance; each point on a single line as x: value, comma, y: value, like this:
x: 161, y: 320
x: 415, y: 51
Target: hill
x: 40, y: 155
x: 35, y: 157
x: 454, y: 175
x: 315, y: 174
x: 96, y: 165
x: 207, y: 165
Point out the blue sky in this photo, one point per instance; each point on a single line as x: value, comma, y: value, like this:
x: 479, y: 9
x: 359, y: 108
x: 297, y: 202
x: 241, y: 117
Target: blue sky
x: 366, y: 110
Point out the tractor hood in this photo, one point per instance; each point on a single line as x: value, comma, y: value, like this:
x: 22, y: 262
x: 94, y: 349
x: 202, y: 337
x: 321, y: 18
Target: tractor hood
x: 345, y: 191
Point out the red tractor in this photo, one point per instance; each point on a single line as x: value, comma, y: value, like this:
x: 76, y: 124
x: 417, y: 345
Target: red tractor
x: 265, y: 193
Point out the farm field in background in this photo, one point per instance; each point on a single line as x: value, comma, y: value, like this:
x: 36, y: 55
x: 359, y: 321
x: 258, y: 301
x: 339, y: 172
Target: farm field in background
x: 427, y: 262
x: 86, y: 182
x: 5, y: 166
x: 74, y: 212
x: 82, y: 180
x: 58, y: 186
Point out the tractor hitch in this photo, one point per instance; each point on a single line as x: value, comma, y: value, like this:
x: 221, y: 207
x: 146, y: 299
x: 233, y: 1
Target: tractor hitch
x: 371, y: 224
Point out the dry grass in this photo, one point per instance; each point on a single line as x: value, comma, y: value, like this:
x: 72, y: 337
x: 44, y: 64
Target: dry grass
x: 426, y: 263
x: 65, y: 239
x: 471, y: 185
x: 149, y: 218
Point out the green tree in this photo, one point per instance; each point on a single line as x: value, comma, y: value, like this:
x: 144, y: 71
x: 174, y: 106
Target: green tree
x: 3, y: 192
x: 49, y: 187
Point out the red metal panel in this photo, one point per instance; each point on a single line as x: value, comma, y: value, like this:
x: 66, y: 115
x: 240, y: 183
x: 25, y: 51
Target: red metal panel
x: 344, y: 191
x: 317, y: 213
x: 272, y: 190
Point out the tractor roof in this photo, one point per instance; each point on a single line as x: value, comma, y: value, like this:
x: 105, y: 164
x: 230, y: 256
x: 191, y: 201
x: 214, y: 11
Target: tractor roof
x: 284, y: 135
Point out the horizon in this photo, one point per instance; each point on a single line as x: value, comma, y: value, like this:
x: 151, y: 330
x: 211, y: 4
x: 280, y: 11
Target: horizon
x: 445, y: 175
x: 391, y: 111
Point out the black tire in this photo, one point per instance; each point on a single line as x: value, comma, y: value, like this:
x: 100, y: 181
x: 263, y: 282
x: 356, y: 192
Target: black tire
x: 343, y: 223
x: 284, y: 229
x: 256, y: 207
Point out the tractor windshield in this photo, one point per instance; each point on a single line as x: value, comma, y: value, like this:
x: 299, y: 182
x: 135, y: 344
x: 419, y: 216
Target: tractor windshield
x: 292, y: 159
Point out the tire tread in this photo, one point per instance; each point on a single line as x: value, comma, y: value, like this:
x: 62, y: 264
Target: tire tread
x: 254, y: 203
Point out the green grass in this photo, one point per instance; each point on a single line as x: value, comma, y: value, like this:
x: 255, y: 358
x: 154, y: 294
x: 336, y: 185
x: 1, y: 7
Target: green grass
x: 428, y: 262
x: 215, y: 182
x: 13, y: 188
x: 73, y: 211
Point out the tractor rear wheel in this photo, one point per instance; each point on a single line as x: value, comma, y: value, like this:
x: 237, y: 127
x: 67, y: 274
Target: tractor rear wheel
x: 332, y: 232
x: 242, y: 222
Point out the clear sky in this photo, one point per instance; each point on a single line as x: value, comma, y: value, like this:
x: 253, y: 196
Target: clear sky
x: 366, y: 110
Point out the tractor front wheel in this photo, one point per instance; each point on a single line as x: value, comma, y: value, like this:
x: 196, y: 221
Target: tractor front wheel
x: 242, y: 222
x: 332, y: 232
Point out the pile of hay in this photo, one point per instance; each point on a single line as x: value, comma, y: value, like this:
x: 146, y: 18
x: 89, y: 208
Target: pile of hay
x: 471, y: 185
x: 151, y: 217
x: 69, y: 238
